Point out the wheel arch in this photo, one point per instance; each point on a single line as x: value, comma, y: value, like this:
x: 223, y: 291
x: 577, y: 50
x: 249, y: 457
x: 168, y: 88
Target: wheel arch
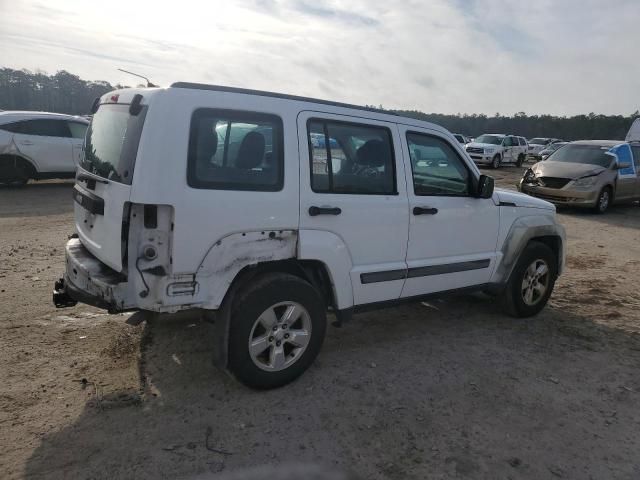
x: 19, y: 158
x: 312, y: 271
x: 523, y: 231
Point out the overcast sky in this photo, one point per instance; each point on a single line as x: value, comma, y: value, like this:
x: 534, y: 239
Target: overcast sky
x: 469, y: 56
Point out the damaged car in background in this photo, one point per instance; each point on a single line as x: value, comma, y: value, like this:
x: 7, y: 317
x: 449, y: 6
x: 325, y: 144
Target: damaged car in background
x: 266, y: 211
x: 588, y: 173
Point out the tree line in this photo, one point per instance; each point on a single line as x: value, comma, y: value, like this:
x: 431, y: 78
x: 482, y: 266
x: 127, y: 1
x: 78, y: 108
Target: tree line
x: 61, y: 93
x: 68, y: 93
x: 578, y: 127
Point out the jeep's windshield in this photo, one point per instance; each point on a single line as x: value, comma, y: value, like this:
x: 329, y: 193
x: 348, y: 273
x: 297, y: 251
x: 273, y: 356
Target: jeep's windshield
x: 111, y: 144
x: 589, y: 154
x: 538, y: 141
x: 490, y: 139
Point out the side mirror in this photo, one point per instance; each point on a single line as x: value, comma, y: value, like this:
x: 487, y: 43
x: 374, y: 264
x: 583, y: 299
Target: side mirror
x: 485, y: 187
x: 622, y: 166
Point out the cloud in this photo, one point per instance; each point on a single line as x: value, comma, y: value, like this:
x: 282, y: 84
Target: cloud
x: 474, y: 56
x: 318, y: 9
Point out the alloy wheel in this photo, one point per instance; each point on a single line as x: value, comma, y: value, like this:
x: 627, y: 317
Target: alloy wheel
x: 535, y: 282
x: 280, y: 336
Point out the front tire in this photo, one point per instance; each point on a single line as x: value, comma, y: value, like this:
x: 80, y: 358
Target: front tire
x: 278, y: 324
x: 495, y: 163
x: 531, y: 282
x: 604, y: 200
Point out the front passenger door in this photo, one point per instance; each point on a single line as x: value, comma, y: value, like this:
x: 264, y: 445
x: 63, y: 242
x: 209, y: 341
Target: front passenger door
x: 452, y: 234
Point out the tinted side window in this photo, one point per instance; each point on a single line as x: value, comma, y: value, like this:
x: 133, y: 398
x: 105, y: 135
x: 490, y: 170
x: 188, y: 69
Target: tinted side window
x: 15, y: 127
x: 231, y: 150
x: 46, y: 128
x: 78, y: 130
x: 636, y: 156
x: 437, y: 168
x: 522, y: 141
x: 351, y: 158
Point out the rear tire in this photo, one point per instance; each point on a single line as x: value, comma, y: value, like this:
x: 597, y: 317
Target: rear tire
x: 495, y: 163
x: 604, y: 200
x: 278, y: 324
x: 520, y: 160
x: 531, y: 282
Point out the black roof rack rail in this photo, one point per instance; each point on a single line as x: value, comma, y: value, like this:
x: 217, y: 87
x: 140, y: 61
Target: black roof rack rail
x: 248, y: 91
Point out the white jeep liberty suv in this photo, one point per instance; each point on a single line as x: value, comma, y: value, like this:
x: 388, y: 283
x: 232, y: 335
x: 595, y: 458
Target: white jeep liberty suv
x: 267, y: 211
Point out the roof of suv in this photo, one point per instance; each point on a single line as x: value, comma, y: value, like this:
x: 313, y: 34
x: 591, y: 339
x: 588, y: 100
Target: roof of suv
x: 246, y: 91
x: 599, y: 143
x: 16, y: 115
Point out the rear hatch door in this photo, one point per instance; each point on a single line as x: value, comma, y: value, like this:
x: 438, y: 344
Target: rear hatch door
x: 103, y: 181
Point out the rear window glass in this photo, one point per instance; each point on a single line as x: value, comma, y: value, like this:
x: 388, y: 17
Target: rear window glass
x: 111, y: 143
x: 78, y: 130
x: 40, y: 127
x: 232, y: 150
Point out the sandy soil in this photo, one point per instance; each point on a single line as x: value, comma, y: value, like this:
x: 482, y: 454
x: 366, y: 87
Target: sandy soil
x: 450, y: 389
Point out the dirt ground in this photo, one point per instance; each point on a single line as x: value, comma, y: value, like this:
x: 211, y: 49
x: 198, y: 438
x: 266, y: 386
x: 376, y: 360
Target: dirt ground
x: 449, y: 389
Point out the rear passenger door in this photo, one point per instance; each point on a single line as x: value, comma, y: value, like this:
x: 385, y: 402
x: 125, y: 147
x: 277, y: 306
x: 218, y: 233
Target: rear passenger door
x: 47, y: 143
x: 352, y: 193
x: 510, y: 149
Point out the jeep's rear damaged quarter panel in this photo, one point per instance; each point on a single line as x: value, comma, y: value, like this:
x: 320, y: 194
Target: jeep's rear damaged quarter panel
x: 229, y: 255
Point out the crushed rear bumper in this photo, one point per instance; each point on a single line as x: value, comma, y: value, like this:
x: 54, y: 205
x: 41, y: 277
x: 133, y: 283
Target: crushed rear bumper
x: 87, y: 280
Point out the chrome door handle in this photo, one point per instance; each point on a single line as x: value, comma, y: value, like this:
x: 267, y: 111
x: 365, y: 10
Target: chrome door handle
x: 26, y: 142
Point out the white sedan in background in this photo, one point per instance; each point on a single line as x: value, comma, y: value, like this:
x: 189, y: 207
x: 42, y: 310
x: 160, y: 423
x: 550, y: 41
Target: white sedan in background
x: 39, y: 145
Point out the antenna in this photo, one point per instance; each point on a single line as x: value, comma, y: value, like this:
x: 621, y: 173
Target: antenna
x: 149, y: 84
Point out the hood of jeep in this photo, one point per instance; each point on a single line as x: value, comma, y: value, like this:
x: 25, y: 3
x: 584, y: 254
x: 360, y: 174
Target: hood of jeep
x: 511, y: 198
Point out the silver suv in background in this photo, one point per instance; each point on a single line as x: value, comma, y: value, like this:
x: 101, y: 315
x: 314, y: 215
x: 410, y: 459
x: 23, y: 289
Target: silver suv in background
x: 496, y: 149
